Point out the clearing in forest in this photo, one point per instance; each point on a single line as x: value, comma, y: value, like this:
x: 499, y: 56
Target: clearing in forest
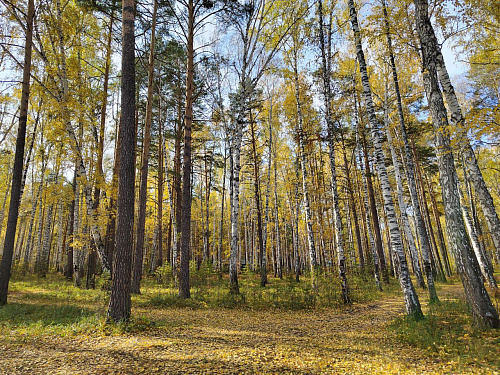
x: 53, y: 328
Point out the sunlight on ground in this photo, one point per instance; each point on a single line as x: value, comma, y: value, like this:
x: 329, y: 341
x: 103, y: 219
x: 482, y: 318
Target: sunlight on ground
x: 353, y: 340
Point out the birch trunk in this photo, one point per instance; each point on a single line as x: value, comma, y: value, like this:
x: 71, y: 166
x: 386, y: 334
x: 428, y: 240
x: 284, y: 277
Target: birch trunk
x: 36, y: 200
x: 43, y: 261
x: 263, y: 279
x: 68, y: 271
x: 77, y: 245
x: 303, y: 168
x: 256, y: 185
x: 223, y: 199
x: 327, y: 98
x: 410, y: 168
x: 442, y: 244
x: 457, y: 119
x: 296, y: 238
x: 467, y: 265
x: 374, y: 212
x: 404, y: 216
x: 61, y: 231
x: 76, y: 147
x: 411, y: 299
x: 481, y: 259
x: 350, y: 190
x: 235, y: 168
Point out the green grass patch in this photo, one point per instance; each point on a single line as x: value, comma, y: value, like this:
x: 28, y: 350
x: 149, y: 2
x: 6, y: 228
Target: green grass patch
x: 449, y: 332
x: 52, y: 305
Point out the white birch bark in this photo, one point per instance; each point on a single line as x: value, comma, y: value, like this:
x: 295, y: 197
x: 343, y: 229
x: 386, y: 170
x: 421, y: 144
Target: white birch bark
x: 36, y: 199
x: 411, y: 299
x: 458, y: 120
x: 483, y: 262
x: 303, y: 168
x: 235, y: 205
x: 410, y: 168
x: 327, y: 97
x: 466, y: 262
x: 402, y: 207
x: 76, y: 147
x: 43, y: 262
x: 60, y: 235
x: 78, y: 255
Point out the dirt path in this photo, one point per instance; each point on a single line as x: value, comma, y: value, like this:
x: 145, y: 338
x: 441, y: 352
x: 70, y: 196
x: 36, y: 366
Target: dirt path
x: 353, y: 341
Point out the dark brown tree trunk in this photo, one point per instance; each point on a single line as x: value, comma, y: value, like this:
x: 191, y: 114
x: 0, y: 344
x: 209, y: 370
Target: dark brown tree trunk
x: 120, y: 303
x: 143, y: 188
x: 185, y: 222
x: 17, y: 173
x: 159, y: 217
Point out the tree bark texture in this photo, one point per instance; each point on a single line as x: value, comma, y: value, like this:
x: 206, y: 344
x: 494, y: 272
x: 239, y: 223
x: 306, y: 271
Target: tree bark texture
x: 143, y: 187
x: 120, y: 303
x: 467, y: 265
x: 17, y: 173
x: 411, y: 299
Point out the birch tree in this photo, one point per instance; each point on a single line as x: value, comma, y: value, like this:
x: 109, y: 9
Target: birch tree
x: 412, y: 302
x: 467, y: 264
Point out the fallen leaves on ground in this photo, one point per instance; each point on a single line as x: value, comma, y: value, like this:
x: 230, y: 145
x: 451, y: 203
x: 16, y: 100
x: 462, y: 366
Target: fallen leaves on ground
x: 354, y: 340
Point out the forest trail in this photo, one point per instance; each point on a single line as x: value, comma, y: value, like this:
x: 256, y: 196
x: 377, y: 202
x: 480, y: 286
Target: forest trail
x: 354, y: 340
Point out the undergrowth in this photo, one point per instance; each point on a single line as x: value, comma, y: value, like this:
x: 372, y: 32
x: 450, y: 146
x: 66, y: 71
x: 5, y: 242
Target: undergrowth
x: 449, y: 332
x: 53, y: 305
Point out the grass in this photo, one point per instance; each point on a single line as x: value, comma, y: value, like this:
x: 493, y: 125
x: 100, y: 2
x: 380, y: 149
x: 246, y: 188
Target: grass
x: 449, y: 331
x: 54, y: 306
x: 209, y: 290
x: 286, y: 327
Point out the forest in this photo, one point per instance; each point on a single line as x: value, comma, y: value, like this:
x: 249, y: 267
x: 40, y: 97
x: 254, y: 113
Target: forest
x: 249, y: 186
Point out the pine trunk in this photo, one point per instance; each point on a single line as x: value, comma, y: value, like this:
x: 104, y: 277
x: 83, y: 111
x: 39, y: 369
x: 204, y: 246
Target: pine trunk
x: 17, y: 172
x: 185, y: 217
x: 138, y: 257
x: 120, y: 304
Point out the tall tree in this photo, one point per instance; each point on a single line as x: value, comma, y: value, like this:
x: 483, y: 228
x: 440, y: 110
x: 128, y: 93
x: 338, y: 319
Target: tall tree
x: 17, y: 172
x: 411, y: 299
x: 141, y: 217
x: 408, y: 162
x: 467, y: 264
x: 325, y: 48
x: 253, y: 21
x: 120, y: 303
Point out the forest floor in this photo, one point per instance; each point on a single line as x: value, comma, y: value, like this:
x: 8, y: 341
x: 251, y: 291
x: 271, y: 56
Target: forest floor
x: 54, y: 328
